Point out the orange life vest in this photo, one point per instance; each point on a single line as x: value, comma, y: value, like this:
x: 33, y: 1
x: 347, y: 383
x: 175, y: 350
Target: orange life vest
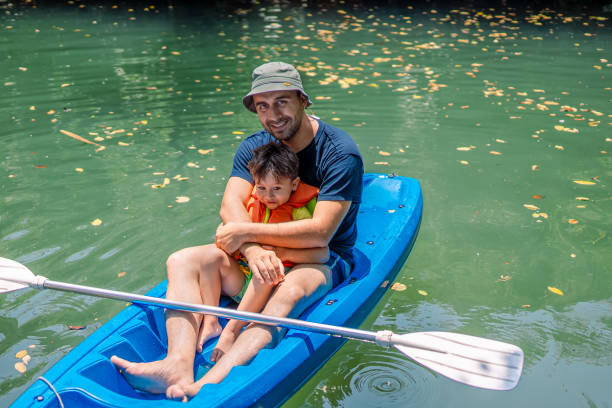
x: 300, y: 206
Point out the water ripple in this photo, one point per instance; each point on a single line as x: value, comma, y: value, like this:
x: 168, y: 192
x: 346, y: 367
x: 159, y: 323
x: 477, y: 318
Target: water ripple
x: 387, y: 379
x: 36, y: 255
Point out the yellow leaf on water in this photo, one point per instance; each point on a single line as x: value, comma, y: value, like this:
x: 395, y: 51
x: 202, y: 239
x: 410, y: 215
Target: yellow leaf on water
x: 21, y: 354
x: 582, y: 198
x: 121, y: 274
x: 555, y: 290
x: 205, y: 151
x: 422, y: 292
x: 182, y: 199
x: 96, y: 222
x: 584, y: 182
x: 464, y: 148
x: 80, y: 170
x: 573, y: 221
x: 21, y: 367
x: 495, y: 153
x: 227, y: 113
x: 400, y: 287
x: 190, y: 164
x: 123, y: 144
x: 26, y: 359
x: 383, y: 153
x: 531, y: 207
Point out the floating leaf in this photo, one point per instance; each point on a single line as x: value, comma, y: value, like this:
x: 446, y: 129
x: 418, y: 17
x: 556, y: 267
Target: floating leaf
x: 400, y: 287
x: 78, y: 169
x: 495, y: 153
x: 555, y: 290
x: 504, y: 278
x: 96, y: 222
x: 21, y: 354
x: 123, y: 144
x: 537, y: 197
x: 21, y: 367
x: 190, y: 164
x: 121, y: 274
x: 573, y: 221
x: 383, y: 153
x: 582, y: 198
x: 76, y: 327
x: 26, y: 359
x: 531, y: 207
x: 584, y: 182
x: 182, y: 199
x: 422, y: 292
x: 205, y: 151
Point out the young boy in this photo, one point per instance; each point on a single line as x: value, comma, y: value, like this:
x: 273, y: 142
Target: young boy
x: 278, y: 196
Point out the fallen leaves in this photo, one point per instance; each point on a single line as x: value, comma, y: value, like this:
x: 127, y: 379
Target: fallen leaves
x: 182, y: 199
x: 96, y: 222
x: 555, y: 290
x: 584, y: 182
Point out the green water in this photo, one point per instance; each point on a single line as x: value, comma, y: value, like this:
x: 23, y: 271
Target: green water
x: 491, y: 109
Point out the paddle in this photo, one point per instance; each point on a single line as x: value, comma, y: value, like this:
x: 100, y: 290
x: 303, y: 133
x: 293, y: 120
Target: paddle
x: 467, y: 359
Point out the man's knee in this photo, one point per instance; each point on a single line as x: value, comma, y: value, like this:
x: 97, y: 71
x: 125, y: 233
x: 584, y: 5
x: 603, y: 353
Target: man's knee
x: 188, y: 261
x: 290, y: 294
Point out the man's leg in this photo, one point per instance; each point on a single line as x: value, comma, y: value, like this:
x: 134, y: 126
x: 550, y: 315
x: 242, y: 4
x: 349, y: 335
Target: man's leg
x: 187, y: 269
x: 302, y: 287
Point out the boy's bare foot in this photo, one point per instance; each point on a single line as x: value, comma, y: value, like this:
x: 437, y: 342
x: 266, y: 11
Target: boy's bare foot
x: 158, y: 377
x: 210, y: 329
x: 226, y: 340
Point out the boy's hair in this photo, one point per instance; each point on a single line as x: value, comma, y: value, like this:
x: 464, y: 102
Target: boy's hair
x: 273, y: 159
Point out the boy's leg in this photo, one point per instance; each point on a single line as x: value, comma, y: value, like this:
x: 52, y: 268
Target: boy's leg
x: 302, y: 286
x: 220, y: 273
x: 254, y: 299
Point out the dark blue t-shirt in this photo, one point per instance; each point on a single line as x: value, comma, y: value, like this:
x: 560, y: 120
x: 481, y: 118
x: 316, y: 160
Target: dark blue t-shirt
x: 330, y: 162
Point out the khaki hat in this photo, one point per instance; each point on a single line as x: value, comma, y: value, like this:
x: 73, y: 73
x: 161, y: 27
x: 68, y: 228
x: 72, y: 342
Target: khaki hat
x: 274, y: 76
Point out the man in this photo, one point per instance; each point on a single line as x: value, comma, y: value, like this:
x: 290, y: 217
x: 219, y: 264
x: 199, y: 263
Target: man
x: 329, y: 160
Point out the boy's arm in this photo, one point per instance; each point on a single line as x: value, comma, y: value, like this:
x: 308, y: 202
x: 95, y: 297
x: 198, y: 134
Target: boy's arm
x: 299, y: 256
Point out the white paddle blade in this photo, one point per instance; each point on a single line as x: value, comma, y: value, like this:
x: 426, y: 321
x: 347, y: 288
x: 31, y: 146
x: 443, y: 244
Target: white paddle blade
x: 14, y: 276
x: 467, y: 359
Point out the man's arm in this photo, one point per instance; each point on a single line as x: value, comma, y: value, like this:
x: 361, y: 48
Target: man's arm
x: 310, y: 233
x: 237, y: 191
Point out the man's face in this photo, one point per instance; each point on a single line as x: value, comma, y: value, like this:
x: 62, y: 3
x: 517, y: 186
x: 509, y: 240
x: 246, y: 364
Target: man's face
x: 280, y: 113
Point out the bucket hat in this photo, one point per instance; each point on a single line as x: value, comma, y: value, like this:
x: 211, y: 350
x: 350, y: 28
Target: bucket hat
x: 274, y: 76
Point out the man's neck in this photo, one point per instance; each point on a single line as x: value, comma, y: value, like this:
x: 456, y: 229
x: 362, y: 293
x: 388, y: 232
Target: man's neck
x: 307, y: 131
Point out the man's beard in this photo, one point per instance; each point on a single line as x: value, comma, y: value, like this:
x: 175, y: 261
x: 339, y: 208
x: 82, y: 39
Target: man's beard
x: 288, y: 132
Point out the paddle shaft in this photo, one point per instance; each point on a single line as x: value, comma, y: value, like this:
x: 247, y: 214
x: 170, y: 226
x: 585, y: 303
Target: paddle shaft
x: 42, y: 282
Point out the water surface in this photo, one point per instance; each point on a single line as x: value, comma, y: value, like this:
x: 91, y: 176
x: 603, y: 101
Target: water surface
x: 504, y: 116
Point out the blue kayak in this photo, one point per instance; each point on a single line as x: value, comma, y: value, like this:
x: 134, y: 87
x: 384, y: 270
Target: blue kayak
x: 388, y: 223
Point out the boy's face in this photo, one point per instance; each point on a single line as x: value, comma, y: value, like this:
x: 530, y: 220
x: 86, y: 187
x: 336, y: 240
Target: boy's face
x: 274, y: 193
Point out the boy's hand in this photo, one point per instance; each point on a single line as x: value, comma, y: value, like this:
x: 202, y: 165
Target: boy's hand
x: 265, y: 265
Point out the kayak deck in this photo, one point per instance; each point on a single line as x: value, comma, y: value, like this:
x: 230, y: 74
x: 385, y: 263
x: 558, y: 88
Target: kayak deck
x: 388, y: 223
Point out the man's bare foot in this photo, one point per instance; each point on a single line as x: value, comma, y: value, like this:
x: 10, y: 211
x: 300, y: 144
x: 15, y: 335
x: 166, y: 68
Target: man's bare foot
x: 226, y: 340
x: 165, y: 376
x: 210, y: 329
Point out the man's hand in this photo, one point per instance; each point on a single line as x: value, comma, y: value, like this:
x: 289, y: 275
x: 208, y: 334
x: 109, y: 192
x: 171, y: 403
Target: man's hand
x: 231, y: 236
x: 265, y: 265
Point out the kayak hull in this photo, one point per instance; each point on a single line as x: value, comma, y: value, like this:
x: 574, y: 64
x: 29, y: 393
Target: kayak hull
x: 388, y: 224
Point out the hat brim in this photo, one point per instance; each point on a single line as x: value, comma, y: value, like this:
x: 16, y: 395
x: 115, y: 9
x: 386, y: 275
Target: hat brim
x: 247, y: 100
